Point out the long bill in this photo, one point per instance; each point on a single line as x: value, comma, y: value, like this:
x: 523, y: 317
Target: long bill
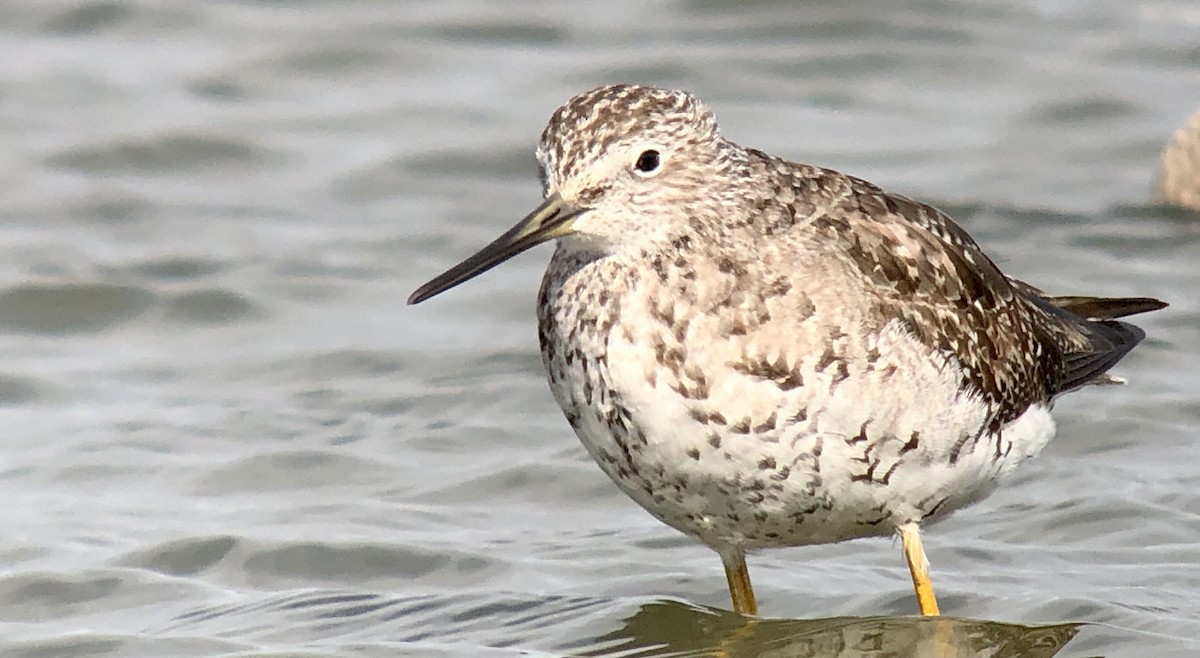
x: 552, y: 219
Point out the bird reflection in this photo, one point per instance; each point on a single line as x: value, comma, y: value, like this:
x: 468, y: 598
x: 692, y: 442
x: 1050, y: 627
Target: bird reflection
x: 680, y: 630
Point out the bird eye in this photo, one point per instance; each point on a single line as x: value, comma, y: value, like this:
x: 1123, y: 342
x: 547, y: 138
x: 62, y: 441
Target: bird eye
x: 647, y: 162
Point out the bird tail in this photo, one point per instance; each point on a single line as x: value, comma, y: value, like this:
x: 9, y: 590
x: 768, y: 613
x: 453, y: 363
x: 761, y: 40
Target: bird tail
x: 1106, y: 308
x: 1108, y: 339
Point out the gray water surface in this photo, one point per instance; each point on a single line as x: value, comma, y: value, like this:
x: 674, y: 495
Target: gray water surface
x: 225, y: 433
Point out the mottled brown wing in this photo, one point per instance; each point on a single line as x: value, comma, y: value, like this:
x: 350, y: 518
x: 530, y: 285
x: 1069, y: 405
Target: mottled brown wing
x: 1017, y: 345
x: 930, y: 274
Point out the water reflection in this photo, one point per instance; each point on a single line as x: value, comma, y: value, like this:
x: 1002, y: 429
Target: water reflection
x: 677, y: 629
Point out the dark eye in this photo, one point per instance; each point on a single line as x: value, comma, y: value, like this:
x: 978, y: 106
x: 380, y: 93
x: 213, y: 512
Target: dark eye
x: 647, y: 162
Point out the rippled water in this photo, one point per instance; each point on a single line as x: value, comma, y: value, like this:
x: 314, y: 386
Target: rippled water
x: 225, y: 434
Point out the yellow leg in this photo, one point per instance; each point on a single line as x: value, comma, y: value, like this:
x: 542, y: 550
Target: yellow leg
x: 739, y: 583
x: 918, y: 566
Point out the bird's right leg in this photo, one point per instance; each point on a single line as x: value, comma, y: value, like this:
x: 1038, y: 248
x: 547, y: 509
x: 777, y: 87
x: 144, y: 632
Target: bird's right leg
x: 738, y: 576
x: 918, y: 566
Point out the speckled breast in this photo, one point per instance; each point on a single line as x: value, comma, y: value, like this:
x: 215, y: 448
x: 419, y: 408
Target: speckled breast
x: 676, y: 383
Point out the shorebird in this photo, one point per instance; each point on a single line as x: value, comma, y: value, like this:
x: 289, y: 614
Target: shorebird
x: 763, y: 353
x: 1177, y: 182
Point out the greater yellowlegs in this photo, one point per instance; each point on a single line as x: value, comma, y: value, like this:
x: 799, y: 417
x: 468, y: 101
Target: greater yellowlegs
x: 763, y: 353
